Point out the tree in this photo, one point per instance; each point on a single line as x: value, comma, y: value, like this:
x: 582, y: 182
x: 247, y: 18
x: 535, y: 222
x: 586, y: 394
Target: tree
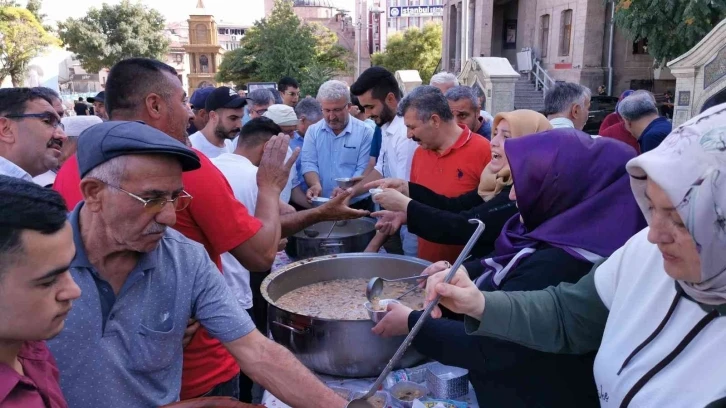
x: 22, y: 38
x: 115, y: 32
x: 34, y: 7
x: 672, y: 27
x: 413, y: 49
x: 281, y: 45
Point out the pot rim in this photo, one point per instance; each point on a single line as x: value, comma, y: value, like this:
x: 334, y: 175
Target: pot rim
x: 268, y: 280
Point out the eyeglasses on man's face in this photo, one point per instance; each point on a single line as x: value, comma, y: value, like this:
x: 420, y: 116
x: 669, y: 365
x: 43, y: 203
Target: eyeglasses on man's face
x: 50, y: 119
x: 156, y: 205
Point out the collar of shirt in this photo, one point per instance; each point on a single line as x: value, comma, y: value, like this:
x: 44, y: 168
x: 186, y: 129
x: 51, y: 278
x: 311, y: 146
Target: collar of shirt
x: 561, y: 123
x: 8, y: 168
x: 80, y: 260
x: 348, y: 128
x: 395, y: 126
x: 464, y: 137
x: 656, y: 123
x: 9, y: 378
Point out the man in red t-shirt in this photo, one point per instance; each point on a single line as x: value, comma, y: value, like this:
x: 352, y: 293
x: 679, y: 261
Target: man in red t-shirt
x: 36, y: 291
x: 149, y: 91
x: 451, y: 158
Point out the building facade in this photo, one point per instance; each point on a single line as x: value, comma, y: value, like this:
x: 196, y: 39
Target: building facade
x: 203, y: 50
x: 571, y: 39
x: 230, y: 35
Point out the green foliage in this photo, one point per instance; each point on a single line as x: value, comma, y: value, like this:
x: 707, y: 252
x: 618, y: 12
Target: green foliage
x: 413, y: 49
x: 281, y: 45
x: 115, y: 32
x: 22, y: 39
x: 672, y: 27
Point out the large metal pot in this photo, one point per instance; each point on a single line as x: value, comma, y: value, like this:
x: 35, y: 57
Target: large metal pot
x: 347, y: 236
x: 345, y: 348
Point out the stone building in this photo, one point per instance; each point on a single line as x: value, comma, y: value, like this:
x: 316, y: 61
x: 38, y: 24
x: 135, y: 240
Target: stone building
x: 571, y: 38
x: 203, y: 49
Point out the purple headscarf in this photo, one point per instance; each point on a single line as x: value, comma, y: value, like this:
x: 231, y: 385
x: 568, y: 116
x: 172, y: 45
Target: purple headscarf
x: 573, y: 192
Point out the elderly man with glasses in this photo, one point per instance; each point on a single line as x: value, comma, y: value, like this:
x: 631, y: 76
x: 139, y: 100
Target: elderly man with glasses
x: 141, y: 281
x: 31, y: 133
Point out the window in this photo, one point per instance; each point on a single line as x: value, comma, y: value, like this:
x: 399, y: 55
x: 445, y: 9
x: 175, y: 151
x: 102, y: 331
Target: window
x: 204, y: 64
x: 544, y: 40
x: 565, y: 32
x: 202, y: 34
x: 641, y: 46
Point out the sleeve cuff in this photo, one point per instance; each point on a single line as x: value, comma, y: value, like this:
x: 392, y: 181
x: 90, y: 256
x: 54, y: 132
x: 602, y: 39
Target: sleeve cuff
x: 495, y: 320
x: 413, y: 318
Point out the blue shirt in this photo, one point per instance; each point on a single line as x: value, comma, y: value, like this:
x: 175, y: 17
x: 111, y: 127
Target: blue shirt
x: 295, y: 142
x: 126, y: 350
x: 376, y: 143
x: 485, y: 130
x: 654, y: 133
x: 331, y: 156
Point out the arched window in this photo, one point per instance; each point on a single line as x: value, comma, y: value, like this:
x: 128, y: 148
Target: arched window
x: 201, y: 34
x: 565, y: 32
x: 204, y: 64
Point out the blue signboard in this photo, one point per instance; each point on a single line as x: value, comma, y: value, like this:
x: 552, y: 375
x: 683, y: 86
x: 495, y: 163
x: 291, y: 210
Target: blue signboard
x: 415, y: 11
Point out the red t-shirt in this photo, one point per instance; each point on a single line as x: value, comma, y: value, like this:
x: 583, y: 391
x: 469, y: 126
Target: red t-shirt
x: 455, y: 172
x: 219, y: 222
x: 68, y: 182
x: 39, y: 387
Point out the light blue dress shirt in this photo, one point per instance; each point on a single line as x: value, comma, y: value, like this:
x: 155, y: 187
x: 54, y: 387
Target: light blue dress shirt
x: 331, y: 156
x: 295, y: 142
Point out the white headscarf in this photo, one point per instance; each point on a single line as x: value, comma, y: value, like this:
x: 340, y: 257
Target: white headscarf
x: 690, y: 166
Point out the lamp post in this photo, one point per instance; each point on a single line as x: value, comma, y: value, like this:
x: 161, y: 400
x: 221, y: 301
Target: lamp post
x: 374, y: 10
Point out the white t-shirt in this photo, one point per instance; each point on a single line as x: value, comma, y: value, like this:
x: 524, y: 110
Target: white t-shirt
x: 292, y: 180
x: 241, y: 175
x: 201, y: 143
x: 45, y: 179
x: 634, y: 286
x: 397, y: 150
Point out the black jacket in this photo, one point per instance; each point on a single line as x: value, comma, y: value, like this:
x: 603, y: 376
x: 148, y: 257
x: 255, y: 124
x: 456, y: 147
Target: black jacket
x: 444, y: 220
x: 506, y: 374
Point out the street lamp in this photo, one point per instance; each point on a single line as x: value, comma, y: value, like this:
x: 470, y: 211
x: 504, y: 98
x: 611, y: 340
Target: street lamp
x: 374, y: 10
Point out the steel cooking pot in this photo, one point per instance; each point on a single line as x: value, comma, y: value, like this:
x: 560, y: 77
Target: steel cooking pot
x: 347, y: 236
x: 345, y: 348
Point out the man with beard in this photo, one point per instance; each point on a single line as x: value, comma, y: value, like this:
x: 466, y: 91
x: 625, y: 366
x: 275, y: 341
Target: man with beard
x: 31, y: 133
x: 379, y: 94
x: 46, y: 179
x: 336, y: 147
x: 197, y: 102
x: 225, y: 108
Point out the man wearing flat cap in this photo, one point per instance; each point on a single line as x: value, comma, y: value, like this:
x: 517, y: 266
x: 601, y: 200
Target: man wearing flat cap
x: 141, y: 281
x: 225, y: 109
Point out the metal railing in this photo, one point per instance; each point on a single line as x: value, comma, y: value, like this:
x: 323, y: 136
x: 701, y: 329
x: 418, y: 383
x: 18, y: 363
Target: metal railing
x: 542, y: 80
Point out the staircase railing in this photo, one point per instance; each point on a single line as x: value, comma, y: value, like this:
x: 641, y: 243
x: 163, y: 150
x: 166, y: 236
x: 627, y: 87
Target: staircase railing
x: 541, y: 78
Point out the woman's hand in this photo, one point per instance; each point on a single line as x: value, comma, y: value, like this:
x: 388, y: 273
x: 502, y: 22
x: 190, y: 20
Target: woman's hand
x: 395, y: 322
x: 388, y: 221
x: 397, y: 184
x: 392, y: 200
x: 460, y: 295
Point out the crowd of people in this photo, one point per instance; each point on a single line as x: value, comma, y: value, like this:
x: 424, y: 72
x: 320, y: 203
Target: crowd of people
x: 599, y: 279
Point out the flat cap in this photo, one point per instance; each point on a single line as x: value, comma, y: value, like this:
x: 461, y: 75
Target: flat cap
x: 105, y: 141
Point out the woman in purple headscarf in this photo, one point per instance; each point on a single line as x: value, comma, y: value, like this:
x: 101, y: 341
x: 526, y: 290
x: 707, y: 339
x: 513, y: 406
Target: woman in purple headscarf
x: 576, y: 209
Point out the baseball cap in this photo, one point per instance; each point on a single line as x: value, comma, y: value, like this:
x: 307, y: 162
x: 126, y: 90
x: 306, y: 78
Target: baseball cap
x: 282, y: 115
x: 105, y: 141
x: 100, y: 97
x: 224, y: 97
x: 199, y: 97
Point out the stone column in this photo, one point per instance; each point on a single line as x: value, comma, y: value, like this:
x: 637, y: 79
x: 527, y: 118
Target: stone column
x: 459, y: 37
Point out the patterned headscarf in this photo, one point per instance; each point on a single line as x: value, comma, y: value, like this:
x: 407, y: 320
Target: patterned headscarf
x: 690, y: 166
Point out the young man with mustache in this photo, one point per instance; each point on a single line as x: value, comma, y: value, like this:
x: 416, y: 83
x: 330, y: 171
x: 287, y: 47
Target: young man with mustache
x: 225, y: 109
x: 31, y: 133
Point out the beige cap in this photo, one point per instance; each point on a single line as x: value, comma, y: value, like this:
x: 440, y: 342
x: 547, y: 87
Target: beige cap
x: 282, y: 115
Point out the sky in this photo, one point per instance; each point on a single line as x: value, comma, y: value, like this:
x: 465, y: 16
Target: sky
x: 244, y: 12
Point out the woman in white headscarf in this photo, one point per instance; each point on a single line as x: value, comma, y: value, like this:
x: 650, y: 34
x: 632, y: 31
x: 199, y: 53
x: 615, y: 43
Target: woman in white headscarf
x: 655, y: 308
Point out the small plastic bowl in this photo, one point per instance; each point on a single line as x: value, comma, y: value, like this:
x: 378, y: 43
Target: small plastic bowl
x: 377, y: 315
x: 409, y: 391
x: 318, y: 201
x: 345, y: 182
x: 380, y: 399
x: 375, y: 191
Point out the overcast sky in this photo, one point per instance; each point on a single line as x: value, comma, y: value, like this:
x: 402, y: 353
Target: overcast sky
x: 244, y: 12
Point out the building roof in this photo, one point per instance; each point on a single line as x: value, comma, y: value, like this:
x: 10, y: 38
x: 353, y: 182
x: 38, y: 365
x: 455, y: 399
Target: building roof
x: 314, y: 3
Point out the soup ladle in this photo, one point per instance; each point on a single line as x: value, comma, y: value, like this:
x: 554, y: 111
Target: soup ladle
x: 360, y: 401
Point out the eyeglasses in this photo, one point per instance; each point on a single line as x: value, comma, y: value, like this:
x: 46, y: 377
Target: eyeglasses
x: 50, y: 119
x: 259, y: 111
x: 156, y: 205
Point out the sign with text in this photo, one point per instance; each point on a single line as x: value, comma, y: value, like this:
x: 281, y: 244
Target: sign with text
x: 415, y: 11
